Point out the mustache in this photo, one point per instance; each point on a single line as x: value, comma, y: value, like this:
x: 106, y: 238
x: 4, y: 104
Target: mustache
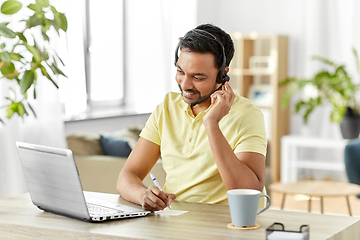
x: 188, y: 90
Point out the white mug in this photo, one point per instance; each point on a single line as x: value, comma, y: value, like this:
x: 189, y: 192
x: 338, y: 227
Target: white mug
x: 243, y: 204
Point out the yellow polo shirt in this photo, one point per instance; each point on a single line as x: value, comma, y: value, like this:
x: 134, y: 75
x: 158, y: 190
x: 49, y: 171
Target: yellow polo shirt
x: 191, y: 172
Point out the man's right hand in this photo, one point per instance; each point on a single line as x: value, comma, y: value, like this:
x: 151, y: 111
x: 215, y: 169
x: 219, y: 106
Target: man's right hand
x: 155, y: 200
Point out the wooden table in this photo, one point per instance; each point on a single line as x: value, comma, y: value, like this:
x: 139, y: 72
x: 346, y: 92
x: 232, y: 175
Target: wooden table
x: 20, y: 219
x: 317, y: 188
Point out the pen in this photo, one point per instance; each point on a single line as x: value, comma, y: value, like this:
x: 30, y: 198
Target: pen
x: 153, y: 178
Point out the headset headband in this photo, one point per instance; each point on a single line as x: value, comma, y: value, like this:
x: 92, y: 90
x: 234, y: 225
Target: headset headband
x: 222, y: 76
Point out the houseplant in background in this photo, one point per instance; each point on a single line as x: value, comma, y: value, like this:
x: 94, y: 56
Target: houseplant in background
x: 333, y: 86
x: 25, y: 52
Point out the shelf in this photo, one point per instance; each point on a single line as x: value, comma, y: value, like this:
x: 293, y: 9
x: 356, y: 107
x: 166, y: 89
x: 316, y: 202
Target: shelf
x: 291, y: 160
x: 308, y: 164
x: 263, y: 60
x: 251, y: 72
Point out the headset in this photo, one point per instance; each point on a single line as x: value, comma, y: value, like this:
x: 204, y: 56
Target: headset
x: 222, y: 76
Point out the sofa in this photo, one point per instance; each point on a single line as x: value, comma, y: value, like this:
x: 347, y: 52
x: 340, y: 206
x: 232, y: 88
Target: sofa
x: 99, y: 172
x: 98, y: 166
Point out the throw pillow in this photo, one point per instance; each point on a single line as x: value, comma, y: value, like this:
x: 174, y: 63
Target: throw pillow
x: 113, y: 146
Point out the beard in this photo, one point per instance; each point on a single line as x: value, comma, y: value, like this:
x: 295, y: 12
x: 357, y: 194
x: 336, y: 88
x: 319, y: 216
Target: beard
x: 200, y: 98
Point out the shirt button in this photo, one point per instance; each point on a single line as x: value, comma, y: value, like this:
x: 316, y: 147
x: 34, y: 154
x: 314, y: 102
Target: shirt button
x: 191, y: 140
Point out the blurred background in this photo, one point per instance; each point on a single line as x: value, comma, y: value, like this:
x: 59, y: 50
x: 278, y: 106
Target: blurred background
x: 119, y: 62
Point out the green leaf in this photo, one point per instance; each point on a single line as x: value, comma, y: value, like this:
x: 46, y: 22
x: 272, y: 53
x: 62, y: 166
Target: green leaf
x: 27, y: 81
x: 31, y: 108
x: 35, y: 20
x: 22, y: 37
x: 34, y: 52
x: 46, y: 74
x: 9, y: 112
x: 54, y: 68
x: 10, y: 7
x: 55, y: 25
x: 59, y: 59
x: 3, y: 45
x: 53, y: 9
x: 21, y: 109
x: 43, y: 3
x: 35, y: 7
x: 16, y: 107
x: 8, y: 68
x: 16, y: 56
x: 5, y: 31
x: 323, y: 60
x: 58, y: 70
x: 60, y: 21
x: 45, y: 36
x: 4, y: 56
x: 299, y: 105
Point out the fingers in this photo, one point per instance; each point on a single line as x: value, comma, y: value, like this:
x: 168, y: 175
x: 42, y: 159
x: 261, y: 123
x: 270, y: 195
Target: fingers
x: 155, y: 200
x: 170, y: 198
x: 225, y: 94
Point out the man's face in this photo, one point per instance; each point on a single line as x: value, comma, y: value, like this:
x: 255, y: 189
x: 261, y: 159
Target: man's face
x: 196, y: 75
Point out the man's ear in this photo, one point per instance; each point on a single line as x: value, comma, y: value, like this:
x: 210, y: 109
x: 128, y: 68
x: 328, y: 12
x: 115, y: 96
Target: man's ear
x: 227, y: 69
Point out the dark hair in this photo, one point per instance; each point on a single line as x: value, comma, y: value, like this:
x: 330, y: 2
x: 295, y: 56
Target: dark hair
x: 200, y: 43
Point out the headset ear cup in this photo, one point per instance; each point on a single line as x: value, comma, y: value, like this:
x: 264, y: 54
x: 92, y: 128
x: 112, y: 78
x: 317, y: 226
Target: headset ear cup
x: 226, y: 78
x: 223, y: 79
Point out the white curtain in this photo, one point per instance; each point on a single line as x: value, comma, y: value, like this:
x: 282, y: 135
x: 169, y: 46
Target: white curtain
x: 46, y: 129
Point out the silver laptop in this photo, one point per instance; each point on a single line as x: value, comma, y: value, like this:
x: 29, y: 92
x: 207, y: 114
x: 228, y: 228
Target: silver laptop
x: 54, y: 186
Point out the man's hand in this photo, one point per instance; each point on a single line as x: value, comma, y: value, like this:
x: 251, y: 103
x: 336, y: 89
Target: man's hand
x: 155, y: 200
x: 222, y: 107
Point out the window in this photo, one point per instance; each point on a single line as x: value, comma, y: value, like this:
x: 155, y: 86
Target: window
x: 104, y: 53
x: 112, y: 73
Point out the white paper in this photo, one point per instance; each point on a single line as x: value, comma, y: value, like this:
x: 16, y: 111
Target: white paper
x: 277, y: 235
x: 169, y: 212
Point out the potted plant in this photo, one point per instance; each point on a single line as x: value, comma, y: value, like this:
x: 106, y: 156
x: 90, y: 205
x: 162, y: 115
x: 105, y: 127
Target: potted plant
x: 24, y: 57
x: 333, y: 86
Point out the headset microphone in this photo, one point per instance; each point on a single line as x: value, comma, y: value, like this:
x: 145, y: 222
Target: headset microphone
x: 206, y: 97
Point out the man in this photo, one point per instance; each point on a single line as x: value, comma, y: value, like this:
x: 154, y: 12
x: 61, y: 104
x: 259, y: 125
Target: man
x: 210, y: 139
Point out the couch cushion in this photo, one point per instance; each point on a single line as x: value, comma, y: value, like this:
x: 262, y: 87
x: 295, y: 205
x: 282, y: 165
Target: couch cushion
x: 84, y: 144
x: 114, y: 146
x: 130, y: 134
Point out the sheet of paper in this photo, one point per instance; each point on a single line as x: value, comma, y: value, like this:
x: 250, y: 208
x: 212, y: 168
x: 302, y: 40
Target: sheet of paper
x: 169, y: 212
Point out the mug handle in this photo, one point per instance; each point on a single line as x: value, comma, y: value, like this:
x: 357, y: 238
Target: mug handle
x: 267, y: 204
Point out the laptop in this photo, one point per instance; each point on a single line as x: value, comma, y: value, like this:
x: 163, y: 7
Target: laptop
x: 54, y: 186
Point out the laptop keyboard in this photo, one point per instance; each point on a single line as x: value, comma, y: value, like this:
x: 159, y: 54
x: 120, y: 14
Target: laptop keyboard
x: 95, y: 210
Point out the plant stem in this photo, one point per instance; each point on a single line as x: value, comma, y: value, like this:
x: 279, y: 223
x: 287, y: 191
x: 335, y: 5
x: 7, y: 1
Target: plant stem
x: 36, y: 66
x: 10, y: 75
x: 2, y: 63
x: 13, y: 49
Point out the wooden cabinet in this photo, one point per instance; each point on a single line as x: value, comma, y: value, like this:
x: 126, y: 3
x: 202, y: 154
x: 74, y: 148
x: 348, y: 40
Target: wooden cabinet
x: 259, y: 64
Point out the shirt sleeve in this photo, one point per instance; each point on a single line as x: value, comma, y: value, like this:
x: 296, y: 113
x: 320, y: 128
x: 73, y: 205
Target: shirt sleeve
x: 151, y: 131
x: 252, y: 136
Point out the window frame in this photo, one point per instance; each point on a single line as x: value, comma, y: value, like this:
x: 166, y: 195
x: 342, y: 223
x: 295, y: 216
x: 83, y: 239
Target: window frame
x: 97, y: 105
